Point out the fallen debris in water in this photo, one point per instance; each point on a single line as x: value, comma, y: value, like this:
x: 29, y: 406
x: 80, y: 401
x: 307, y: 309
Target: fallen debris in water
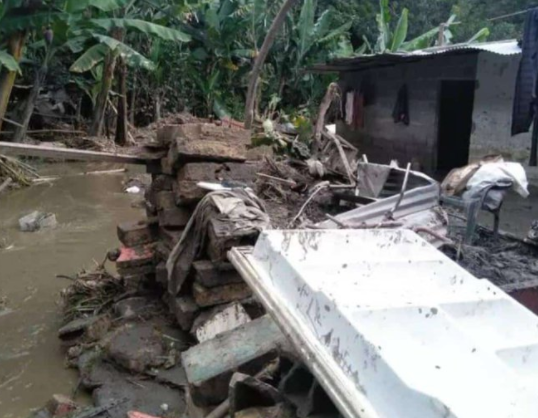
x: 37, y: 221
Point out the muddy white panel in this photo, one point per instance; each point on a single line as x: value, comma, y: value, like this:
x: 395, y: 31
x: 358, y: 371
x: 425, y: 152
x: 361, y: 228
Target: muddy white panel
x: 392, y: 328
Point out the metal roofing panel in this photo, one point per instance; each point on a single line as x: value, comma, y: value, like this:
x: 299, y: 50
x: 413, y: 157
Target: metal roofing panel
x: 392, y: 328
x: 505, y: 48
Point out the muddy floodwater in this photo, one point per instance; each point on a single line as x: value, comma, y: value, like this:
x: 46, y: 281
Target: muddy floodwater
x: 88, y: 208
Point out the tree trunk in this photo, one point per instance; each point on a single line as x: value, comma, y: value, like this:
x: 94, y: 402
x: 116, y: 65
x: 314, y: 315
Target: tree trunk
x: 39, y: 79
x: 96, y: 126
x: 260, y: 60
x: 157, y: 105
x: 122, y: 124
x: 7, y: 79
x: 132, y: 105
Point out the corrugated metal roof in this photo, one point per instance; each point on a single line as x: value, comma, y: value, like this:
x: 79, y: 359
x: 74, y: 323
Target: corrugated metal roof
x: 363, y: 62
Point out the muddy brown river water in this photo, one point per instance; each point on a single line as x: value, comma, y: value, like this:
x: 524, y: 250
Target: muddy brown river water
x: 88, y: 208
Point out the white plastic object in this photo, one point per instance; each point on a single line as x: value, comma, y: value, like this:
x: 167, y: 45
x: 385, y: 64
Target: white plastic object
x: 392, y: 328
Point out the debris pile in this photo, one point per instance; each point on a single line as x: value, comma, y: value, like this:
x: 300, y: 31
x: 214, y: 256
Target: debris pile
x: 206, y: 344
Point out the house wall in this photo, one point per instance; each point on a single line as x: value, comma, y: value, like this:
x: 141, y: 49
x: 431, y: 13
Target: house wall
x: 381, y: 139
x: 492, y: 118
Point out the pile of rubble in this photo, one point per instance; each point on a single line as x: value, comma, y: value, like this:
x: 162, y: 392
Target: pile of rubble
x: 183, y: 334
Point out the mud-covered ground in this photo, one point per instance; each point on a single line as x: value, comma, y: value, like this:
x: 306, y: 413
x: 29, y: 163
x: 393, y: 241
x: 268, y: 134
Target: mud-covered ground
x: 501, y: 260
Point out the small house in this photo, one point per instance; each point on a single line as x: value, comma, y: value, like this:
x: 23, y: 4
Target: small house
x: 438, y: 108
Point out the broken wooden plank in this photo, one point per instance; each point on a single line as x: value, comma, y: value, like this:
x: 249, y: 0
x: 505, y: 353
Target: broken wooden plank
x: 206, y: 297
x: 210, y: 365
x: 24, y: 150
x: 211, y: 274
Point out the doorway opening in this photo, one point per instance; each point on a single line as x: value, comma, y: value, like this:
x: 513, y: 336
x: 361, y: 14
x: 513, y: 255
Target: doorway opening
x: 456, y: 103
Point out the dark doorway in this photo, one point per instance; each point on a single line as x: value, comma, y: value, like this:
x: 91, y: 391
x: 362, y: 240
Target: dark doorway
x: 455, y: 123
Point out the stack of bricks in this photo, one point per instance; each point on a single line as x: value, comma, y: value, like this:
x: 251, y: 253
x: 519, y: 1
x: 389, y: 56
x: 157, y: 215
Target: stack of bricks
x: 193, y: 153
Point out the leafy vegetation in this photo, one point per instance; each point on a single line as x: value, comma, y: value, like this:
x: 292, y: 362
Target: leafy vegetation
x: 151, y: 57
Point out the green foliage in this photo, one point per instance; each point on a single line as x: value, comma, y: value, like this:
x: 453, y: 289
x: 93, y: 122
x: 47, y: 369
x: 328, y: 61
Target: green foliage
x: 7, y: 61
x: 199, y: 53
x: 144, y: 27
x: 78, y: 6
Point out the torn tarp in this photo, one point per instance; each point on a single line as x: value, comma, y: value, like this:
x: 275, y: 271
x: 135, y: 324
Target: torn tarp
x: 240, y: 209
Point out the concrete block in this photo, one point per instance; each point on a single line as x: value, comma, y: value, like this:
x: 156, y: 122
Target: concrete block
x: 136, y: 347
x: 135, y: 257
x: 162, y: 251
x: 185, y: 310
x: 132, y: 234
x: 162, y: 182
x: 167, y: 134
x: 220, y: 241
x: 165, y: 200
x: 244, y: 172
x: 278, y: 411
x: 188, y: 193
x: 183, y: 151
x: 170, y: 237
x: 199, y: 132
x: 211, y: 274
x: 248, y: 392
x: 176, y: 218
x: 214, y: 322
x: 166, y: 167
x: 248, y: 349
x: 206, y: 297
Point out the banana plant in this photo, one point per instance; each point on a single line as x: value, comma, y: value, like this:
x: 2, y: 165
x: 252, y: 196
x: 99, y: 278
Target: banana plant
x: 392, y: 41
x: 107, y: 34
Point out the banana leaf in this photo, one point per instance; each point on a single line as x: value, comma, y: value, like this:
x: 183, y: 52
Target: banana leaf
x: 400, y: 34
x: 8, y: 61
x: 142, y: 26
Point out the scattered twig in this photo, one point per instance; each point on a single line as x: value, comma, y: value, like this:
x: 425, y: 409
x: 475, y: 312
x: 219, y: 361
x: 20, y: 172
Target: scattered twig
x: 433, y: 234
x: 11, y: 122
x: 317, y: 189
x: 337, y: 221
x: 91, y: 413
x: 284, y: 181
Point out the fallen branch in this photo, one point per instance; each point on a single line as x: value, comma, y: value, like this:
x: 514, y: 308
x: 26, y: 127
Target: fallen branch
x: 333, y: 92
x: 343, y: 155
x: 5, y: 184
x: 48, y: 131
x: 11, y: 122
x: 317, y: 189
x: 89, y: 173
x: 277, y: 179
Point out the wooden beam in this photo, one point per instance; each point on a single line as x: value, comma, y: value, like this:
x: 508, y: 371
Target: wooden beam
x: 24, y: 150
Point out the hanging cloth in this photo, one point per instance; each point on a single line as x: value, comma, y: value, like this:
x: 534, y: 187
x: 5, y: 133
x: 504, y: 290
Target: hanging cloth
x: 350, y: 102
x: 524, y: 110
x: 401, y: 108
x: 358, y: 111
